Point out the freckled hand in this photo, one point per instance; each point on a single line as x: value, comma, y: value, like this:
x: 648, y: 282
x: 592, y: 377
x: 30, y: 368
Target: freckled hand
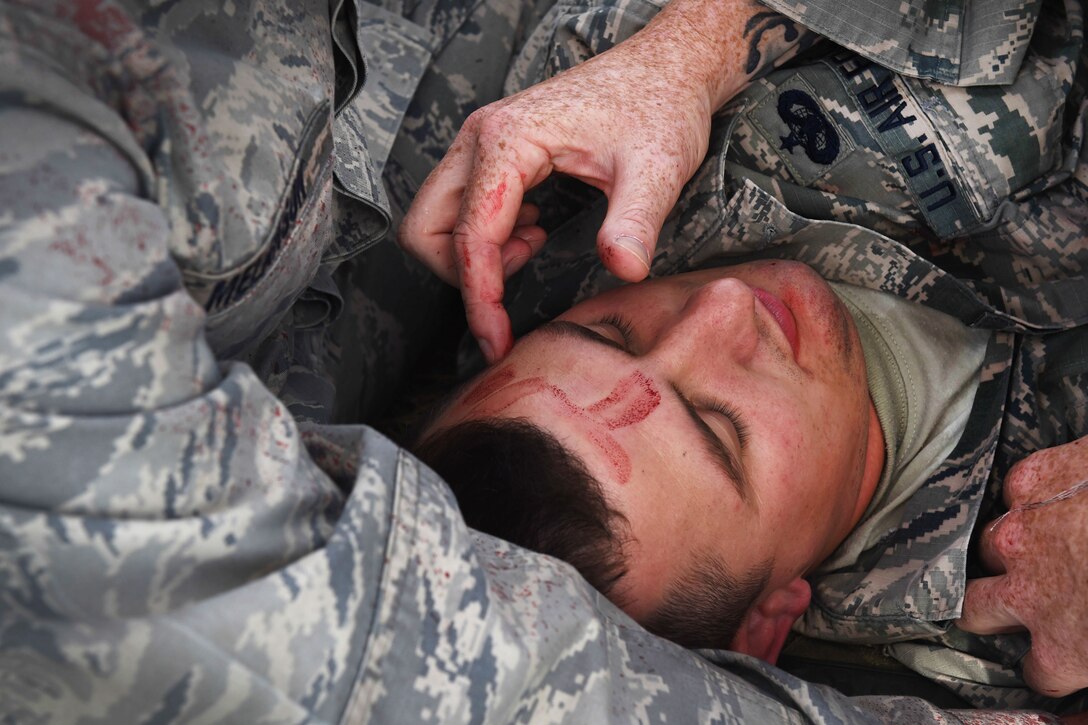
x: 633, y: 121
x: 1068, y: 493
x: 1038, y: 553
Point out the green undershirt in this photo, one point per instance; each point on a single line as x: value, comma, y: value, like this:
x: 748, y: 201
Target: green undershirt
x: 923, y: 370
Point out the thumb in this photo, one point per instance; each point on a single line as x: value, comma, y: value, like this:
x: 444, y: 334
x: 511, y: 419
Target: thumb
x: 1047, y: 676
x: 637, y: 208
x: 985, y: 607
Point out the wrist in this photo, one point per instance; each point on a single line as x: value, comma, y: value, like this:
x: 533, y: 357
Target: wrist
x: 724, y: 45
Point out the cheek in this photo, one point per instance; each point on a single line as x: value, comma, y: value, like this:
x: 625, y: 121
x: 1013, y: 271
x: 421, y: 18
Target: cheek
x: 803, y: 448
x: 840, y: 456
x: 781, y: 447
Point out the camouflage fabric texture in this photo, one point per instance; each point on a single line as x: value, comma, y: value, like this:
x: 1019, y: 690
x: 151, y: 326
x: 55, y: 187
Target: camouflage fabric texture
x: 174, y: 545
x: 971, y: 200
x: 956, y: 42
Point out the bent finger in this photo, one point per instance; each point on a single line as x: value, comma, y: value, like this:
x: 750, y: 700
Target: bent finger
x: 489, y: 211
x: 427, y: 229
x: 985, y: 608
x: 640, y: 200
x: 1022, y: 482
x: 523, y: 245
x: 1001, y: 541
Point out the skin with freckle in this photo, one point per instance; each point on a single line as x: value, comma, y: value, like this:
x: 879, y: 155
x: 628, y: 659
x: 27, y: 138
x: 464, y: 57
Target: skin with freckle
x: 177, y: 543
x: 633, y: 122
x: 492, y: 203
x: 811, y: 447
x: 1040, y: 577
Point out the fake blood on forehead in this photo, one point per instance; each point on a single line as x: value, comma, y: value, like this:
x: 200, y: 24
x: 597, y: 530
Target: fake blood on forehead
x: 630, y: 401
x: 491, y: 384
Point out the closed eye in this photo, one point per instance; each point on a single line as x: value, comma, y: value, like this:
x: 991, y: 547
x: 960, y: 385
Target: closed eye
x: 728, y: 462
x: 626, y: 330
x: 734, y: 417
x: 622, y: 325
x: 725, y: 459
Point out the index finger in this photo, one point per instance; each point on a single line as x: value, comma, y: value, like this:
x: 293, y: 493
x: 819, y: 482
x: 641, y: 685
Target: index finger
x: 427, y: 228
x: 1049, y: 676
x: 1046, y: 473
x: 488, y: 214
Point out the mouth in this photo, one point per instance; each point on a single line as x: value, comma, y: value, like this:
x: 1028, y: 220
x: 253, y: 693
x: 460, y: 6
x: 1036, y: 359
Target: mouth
x: 781, y: 315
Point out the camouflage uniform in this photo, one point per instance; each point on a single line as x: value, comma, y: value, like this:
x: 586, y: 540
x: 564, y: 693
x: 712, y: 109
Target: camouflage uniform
x: 174, y: 545
x: 970, y: 200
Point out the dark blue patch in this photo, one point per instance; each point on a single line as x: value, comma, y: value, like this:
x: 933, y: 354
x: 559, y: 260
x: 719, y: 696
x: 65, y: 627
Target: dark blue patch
x: 143, y: 434
x: 317, y: 690
x: 209, y: 209
x: 285, y: 135
x: 157, y: 281
x: 173, y: 702
x: 342, y: 576
x: 928, y: 523
x: 31, y: 593
x: 295, y: 61
x: 8, y: 267
x: 481, y: 690
x: 289, y: 582
x: 56, y: 524
x: 101, y: 528
x: 809, y: 127
x: 170, y: 497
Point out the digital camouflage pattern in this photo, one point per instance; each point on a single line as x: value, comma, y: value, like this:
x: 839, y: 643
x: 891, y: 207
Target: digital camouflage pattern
x: 957, y: 42
x: 175, y: 240
x: 969, y: 200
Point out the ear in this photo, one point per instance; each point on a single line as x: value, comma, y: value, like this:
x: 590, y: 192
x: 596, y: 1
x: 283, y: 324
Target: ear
x: 763, y: 631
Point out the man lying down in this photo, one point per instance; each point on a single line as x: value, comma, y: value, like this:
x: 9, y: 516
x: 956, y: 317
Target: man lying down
x: 706, y: 448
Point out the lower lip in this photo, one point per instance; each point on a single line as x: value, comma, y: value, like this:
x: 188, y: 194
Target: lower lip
x: 781, y: 315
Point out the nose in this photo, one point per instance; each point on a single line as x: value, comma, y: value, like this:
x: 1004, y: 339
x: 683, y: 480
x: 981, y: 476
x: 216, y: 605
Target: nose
x: 717, y: 324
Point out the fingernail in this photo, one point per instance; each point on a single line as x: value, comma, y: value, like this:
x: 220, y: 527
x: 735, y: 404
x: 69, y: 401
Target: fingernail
x: 488, y: 351
x: 514, y: 264
x: 635, y: 247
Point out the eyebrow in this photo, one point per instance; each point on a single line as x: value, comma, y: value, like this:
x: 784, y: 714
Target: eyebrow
x: 725, y: 460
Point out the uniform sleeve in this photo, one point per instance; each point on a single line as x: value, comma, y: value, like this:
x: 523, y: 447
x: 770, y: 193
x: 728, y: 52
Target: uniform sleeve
x: 174, y: 548
x: 966, y: 43
x: 159, y: 512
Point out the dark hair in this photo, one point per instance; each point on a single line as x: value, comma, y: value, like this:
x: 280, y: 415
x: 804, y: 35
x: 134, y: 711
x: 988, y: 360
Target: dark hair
x: 514, y: 480
x: 706, y: 605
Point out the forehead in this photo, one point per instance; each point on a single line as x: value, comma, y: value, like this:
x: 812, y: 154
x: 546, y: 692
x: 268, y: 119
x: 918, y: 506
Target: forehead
x: 589, y: 392
x: 549, y: 400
